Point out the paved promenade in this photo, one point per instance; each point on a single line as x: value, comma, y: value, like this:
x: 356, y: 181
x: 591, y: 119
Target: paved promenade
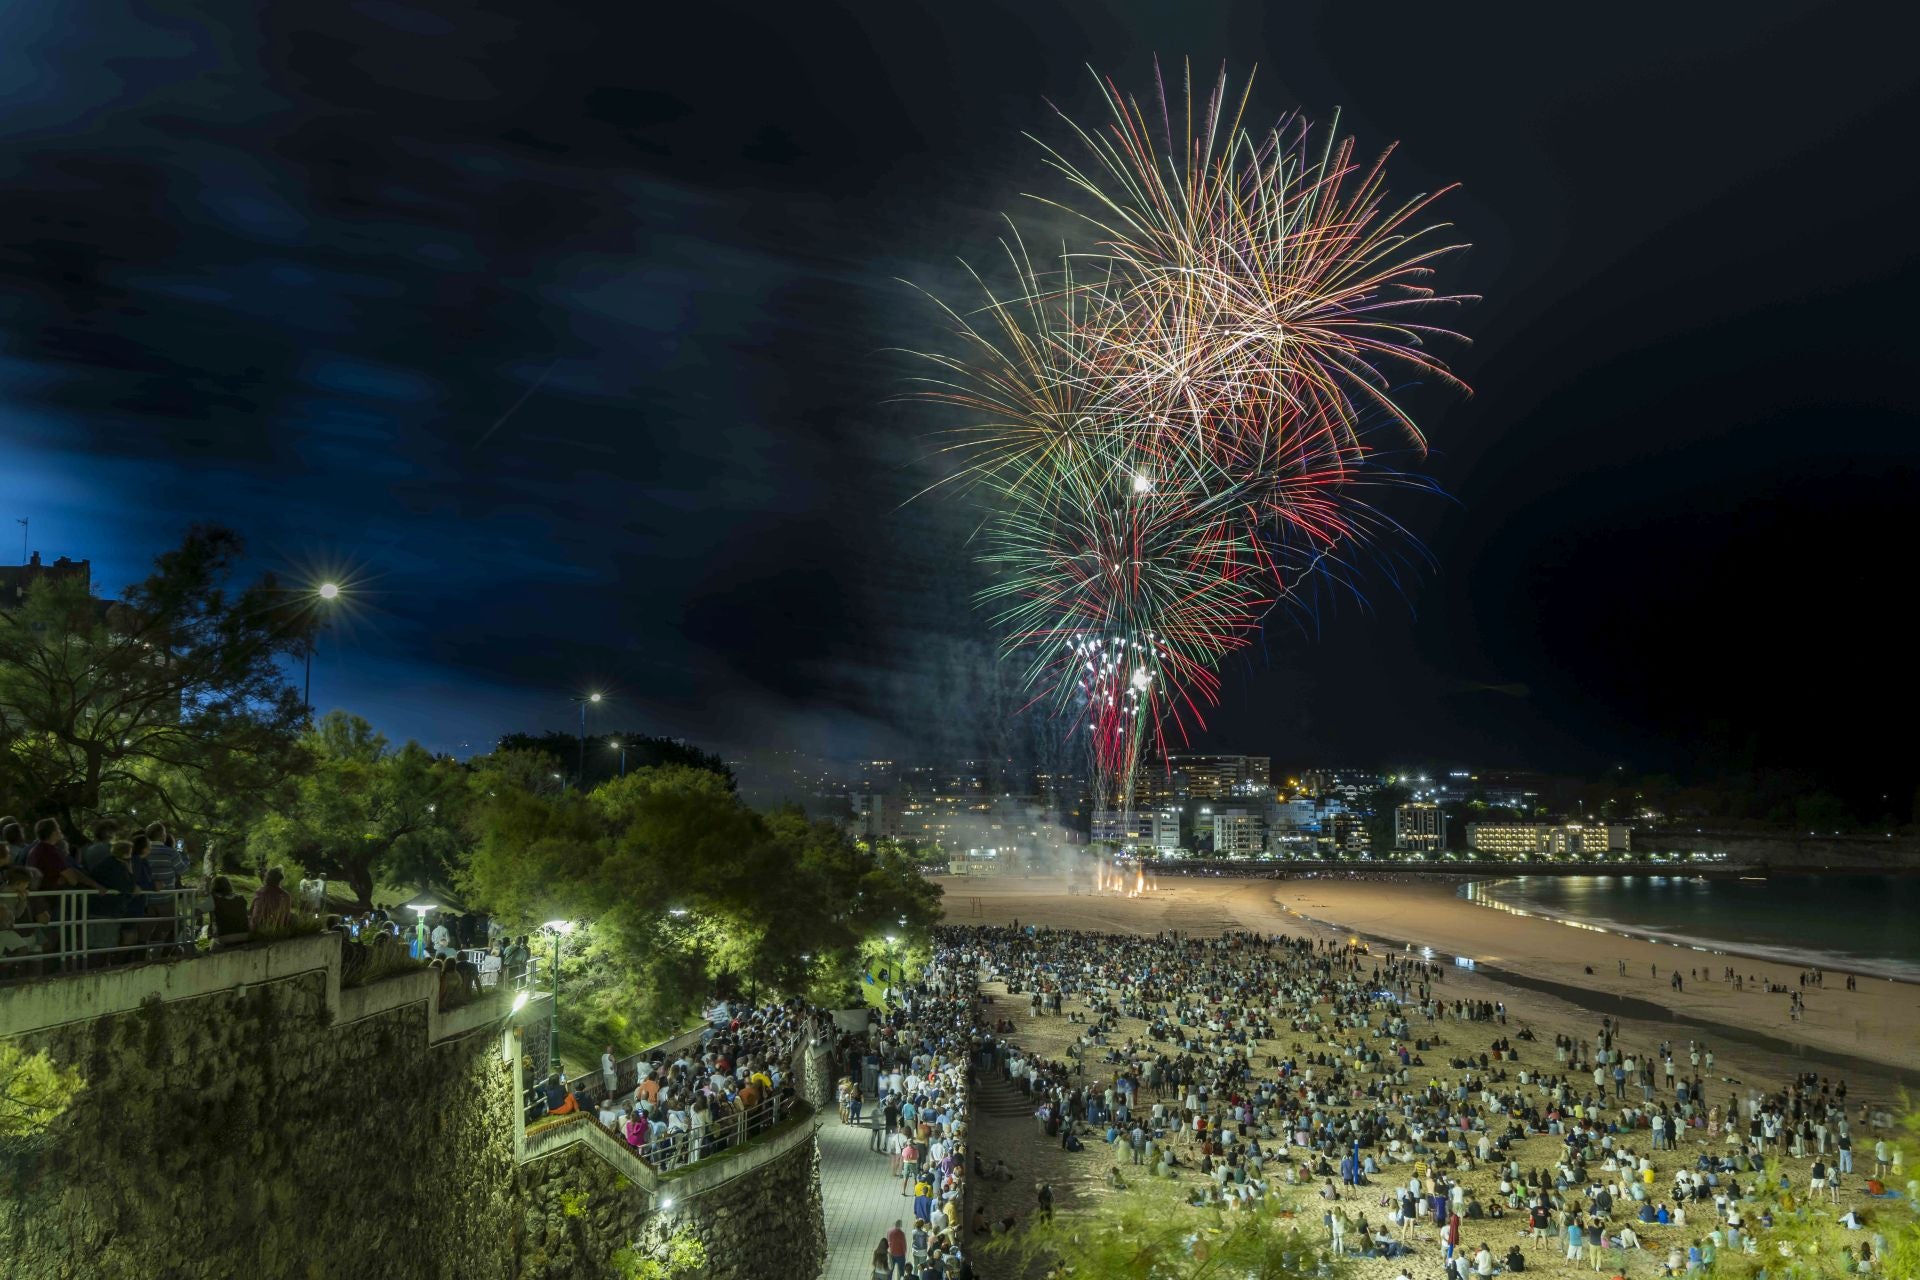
x: 860, y: 1199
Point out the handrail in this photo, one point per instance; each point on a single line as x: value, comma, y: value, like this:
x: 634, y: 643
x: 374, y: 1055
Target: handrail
x: 85, y: 924
x: 667, y: 1149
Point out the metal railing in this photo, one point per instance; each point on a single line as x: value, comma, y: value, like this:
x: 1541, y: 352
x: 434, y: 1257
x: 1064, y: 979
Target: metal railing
x: 665, y: 1148
x: 91, y: 928
x: 784, y: 1054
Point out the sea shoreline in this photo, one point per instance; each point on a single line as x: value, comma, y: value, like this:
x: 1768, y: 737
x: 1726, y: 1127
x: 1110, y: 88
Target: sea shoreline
x: 1650, y: 1011
x: 1867, y: 966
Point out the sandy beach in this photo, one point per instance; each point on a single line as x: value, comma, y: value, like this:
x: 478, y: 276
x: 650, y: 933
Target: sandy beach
x: 1880, y: 1022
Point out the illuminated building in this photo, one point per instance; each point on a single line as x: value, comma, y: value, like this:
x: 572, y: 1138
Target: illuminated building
x: 1420, y: 827
x: 1548, y: 840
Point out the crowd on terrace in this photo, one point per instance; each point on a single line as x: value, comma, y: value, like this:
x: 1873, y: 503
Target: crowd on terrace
x: 675, y: 1106
x: 130, y: 893
x: 1419, y: 1126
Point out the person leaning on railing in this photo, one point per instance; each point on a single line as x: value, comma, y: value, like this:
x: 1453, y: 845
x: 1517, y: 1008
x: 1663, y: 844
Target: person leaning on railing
x: 19, y: 932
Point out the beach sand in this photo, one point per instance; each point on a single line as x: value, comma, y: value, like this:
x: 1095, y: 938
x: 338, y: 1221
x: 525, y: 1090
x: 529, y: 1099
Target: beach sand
x: 1881, y: 1022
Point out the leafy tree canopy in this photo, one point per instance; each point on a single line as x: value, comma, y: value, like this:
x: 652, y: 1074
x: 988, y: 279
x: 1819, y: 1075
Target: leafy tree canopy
x: 365, y: 809
x: 172, y: 701
x: 684, y: 892
x: 602, y: 758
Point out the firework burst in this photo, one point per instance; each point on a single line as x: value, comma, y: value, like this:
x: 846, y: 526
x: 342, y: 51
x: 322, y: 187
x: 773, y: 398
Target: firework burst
x: 1166, y: 424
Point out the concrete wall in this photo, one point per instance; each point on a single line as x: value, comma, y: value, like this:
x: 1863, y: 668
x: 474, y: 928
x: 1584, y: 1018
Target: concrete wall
x: 243, y: 1116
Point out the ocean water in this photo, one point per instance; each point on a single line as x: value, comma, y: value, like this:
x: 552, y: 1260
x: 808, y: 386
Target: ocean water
x: 1868, y: 924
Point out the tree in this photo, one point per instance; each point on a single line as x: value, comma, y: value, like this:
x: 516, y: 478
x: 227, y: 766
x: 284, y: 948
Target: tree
x: 173, y: 700
x: 365, y: 809
x: 563, y: 751
x: 33, y: 1092
x: 686, y: 893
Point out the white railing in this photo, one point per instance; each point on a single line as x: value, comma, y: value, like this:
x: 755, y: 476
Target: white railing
x: 90, y: 928
x: 667, y: 1149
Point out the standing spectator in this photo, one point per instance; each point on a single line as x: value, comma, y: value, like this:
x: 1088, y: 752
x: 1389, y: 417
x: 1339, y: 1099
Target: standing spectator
x: 105, y: 832
x: 272, y: 904
x: 142, y: 863
x: 48, y: 856
x: 14, y: 843
x: 169, y: 864
x: 609, y: 1071
x: 112, y: 869
x: 442, y: 939
x: 896, y: 1250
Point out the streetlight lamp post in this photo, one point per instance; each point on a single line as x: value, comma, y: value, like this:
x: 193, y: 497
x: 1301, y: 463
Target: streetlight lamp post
x: 585, y: 701
x: 621, y: 747
x: 559, y: 929
x: 327, y: 592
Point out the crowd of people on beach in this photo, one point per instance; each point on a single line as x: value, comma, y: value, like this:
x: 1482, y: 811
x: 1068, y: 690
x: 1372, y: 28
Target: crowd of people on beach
x: 1321, y: 1072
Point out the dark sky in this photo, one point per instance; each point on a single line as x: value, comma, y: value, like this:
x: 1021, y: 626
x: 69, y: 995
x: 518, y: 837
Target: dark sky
x: 563, y: 333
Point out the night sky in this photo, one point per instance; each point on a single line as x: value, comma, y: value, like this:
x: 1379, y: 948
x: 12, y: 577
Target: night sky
x: 563, y: 333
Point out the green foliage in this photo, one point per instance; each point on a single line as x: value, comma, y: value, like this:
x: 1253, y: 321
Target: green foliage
x: 1807, y: 1241
x: 560, y: 753
x: 573, y: 1204
x: 172, y: 702
x: 33, y: 1092
x: 1148, y: 1232
x: 680, y: 1254
x: 299, y: 924
x: 684, y: 891
x: 367, y: 809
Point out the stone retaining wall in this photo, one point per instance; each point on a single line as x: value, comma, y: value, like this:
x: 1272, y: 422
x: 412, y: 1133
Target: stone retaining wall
x: 243, y: 1116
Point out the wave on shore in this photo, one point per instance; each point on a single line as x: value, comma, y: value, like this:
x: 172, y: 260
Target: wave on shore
x: 1486, y: 893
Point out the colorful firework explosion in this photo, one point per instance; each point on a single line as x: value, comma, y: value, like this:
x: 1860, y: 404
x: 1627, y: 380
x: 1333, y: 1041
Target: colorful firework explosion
x: 1167, y: 425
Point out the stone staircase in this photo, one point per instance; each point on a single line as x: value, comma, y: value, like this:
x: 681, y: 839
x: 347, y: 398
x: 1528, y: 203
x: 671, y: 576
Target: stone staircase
x: 993, y: 1096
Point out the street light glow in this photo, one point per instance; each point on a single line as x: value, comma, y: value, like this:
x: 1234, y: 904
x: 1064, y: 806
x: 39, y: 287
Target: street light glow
x: 520, y: 1002
x: 560, y: 926
x: 329, y: 591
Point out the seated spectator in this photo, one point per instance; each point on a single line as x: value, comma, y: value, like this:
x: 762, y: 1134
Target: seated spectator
x: 229, y: 911
x: 18, y: 932
x: 272, y: 904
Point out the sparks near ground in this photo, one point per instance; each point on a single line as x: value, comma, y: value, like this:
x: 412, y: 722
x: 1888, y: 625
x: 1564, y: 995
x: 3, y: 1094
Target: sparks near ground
x: 1169, y: 423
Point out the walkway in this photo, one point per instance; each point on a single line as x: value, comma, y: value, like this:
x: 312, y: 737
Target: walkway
x: 862, y: 1202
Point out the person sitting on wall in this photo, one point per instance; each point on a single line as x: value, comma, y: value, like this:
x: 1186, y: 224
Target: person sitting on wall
x: 560, y: 1100
x: 272, y: 904
x: 229, y: 912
